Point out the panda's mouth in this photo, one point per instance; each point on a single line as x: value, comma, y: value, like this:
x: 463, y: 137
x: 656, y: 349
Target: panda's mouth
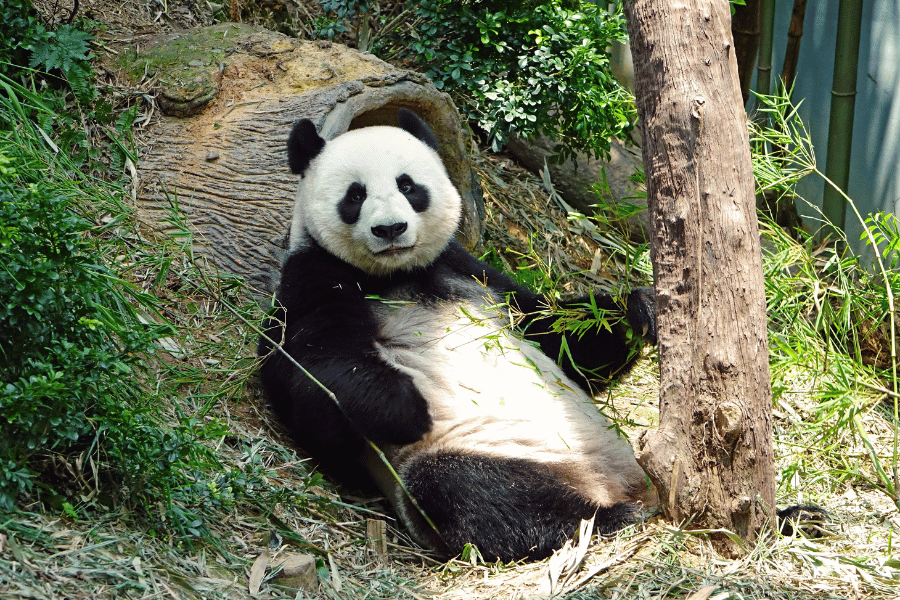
x: 395, y: 250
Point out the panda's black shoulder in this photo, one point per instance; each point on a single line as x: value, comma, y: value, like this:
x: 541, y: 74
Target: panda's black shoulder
x: 462, y: 264
x: 311, y: 272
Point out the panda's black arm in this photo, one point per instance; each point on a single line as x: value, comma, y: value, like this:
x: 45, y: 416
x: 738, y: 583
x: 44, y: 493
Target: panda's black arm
x: 603, y: 352
x: 330, y: 331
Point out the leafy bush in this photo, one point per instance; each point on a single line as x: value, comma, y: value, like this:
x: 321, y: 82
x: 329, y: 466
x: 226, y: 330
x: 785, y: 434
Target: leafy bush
x: 540, y: 70
x: 25, y: 40
x: 534, y: 68
x: 68, y: 345
x: 82, y: 418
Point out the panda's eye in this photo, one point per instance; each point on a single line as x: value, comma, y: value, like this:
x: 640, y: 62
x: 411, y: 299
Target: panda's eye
x: 356, y: 193
x: 405, y: 184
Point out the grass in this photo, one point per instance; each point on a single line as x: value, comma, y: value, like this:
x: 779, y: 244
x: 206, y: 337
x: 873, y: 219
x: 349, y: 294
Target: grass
x: 239, y: 490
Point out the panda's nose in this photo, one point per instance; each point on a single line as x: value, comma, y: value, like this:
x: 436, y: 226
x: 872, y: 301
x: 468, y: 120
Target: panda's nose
x: 389, y: 232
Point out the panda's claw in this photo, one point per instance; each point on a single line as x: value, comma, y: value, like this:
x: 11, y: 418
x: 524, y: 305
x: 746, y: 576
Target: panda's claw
x: 642, y: 312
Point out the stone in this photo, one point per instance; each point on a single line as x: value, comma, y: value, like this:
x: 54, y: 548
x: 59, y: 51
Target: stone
x: 298, y: 572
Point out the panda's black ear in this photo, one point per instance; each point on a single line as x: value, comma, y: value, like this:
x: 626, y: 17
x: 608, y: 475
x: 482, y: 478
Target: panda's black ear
x: 303, y: 145
x: 410, y: 121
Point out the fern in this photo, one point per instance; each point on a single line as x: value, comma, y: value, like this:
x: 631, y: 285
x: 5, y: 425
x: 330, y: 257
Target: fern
x: 64, y: 49
x: 67, y: 50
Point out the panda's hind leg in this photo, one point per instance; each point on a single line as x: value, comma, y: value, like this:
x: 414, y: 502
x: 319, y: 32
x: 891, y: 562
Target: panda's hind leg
x: 509, y: 508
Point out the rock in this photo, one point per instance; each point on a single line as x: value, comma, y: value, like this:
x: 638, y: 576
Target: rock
x: 574, y: 180
x: 230, y: 94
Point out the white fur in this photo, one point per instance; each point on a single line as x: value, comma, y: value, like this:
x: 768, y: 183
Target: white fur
x: 375, y: 157
x: 489, y: 391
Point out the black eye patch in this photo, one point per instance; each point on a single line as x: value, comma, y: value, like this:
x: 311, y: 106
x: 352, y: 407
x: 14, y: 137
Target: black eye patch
x: 351, y: 204
x: 416, y: 194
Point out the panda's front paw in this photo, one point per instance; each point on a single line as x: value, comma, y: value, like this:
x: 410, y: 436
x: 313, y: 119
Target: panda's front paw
x: 642, y: 312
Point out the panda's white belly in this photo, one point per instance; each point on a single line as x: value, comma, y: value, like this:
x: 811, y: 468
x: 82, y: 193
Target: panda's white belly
x: 492, y: 393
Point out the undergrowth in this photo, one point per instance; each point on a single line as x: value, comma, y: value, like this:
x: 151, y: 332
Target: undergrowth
x: 117, y: 350
x: 60, y: 52
x: 831, y: 316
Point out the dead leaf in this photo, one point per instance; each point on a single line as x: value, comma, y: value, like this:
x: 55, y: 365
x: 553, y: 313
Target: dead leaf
x: 258, y: 571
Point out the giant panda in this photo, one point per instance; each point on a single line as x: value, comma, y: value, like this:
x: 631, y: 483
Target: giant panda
x: 437, y: 360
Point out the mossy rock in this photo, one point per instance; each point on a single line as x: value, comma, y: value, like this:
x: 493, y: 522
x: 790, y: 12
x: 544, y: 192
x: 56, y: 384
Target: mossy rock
x: 230, y: 94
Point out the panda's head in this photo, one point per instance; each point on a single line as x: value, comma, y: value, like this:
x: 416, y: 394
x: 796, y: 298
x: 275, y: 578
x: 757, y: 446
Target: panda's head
x: 378, y: 198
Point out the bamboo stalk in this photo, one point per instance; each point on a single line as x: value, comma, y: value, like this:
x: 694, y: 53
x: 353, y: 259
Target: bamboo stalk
x: 792, y: 51
x: 764, y: 62
x: 745, y: 31
x: 843, y: 98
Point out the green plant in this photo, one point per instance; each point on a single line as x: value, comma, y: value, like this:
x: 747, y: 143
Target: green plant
x: 337, y: 14
x: 20, y: 30
x: 533, y: 68
x: 26, y: 40
x: 91, y: 417
x: 69, y: 342
x: 827, y: 310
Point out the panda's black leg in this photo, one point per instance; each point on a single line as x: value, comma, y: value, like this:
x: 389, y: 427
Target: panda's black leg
x: 509, y: 508
x: 806, y: 518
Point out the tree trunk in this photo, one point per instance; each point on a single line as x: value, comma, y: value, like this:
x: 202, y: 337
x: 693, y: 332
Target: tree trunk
x: 711, y: 457
x: 745, y: 29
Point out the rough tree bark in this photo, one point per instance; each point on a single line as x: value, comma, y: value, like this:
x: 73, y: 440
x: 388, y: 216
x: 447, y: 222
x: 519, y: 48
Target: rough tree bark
x: 711, y: 457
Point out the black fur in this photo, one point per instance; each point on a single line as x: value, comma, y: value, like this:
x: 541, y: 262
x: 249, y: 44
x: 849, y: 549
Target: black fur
x: 511, y: 508
x: 304, y: 144
x: 807, y: 518
x: 416, y: 194
x: 326, y: 321
x: 331, y: 332
x: 351, y: 205
x: 410, y: 122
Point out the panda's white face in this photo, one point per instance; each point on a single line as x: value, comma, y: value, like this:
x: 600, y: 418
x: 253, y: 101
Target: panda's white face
x: 379, y: 199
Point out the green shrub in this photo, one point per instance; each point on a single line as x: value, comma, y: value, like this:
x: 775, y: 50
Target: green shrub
x: 68, y: 350
x: 92, y: 418
x: 20, y: 30
x: 532, y: 68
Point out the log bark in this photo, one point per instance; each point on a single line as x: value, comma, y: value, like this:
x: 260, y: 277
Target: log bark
x: 711, y: 457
